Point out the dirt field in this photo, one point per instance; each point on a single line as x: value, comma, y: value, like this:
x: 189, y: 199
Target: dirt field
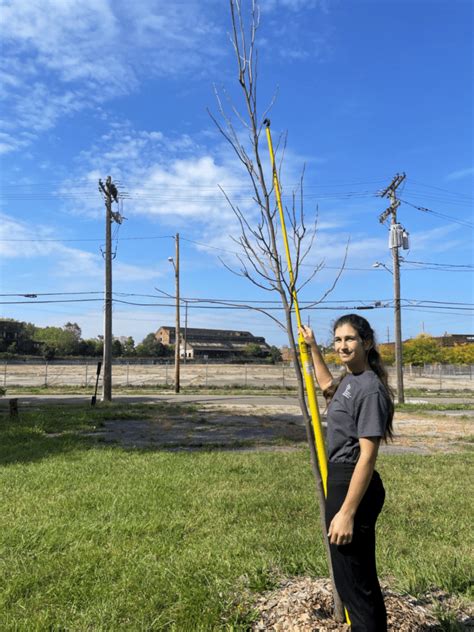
x: 244, y: 426
x: 251, y: 375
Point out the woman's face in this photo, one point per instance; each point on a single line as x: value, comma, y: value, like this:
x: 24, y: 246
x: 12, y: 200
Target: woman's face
x: 351, y: 349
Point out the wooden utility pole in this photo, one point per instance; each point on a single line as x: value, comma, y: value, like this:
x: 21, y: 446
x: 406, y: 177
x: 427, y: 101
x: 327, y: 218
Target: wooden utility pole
x: 177, y: 342
x: 390, y: 192
x: 185, y: 330
x: 110, y: 193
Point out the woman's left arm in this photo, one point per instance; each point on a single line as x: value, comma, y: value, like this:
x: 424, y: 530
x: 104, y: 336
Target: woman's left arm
x: 342, y: 525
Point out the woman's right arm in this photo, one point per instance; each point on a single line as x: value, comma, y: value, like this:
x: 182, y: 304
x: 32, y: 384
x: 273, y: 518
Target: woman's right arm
x: 323, y: 374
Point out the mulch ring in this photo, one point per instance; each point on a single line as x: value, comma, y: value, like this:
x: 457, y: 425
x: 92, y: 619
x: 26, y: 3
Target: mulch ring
x: 303, y: 604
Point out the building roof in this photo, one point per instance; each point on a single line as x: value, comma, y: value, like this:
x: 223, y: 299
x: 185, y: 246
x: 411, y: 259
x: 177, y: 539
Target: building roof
x: 219, y: 346
x: 211, y: 332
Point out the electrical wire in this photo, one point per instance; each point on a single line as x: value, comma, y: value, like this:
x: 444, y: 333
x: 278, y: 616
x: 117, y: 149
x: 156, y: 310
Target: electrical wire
x: 450, y: 218
x: 101, y: 239
x: 430, y: 186
x: 451, y: 265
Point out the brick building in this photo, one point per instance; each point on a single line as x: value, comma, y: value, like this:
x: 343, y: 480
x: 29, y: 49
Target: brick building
x: 212, y: 343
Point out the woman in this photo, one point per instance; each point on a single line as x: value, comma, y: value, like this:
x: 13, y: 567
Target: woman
x: 360, y: 413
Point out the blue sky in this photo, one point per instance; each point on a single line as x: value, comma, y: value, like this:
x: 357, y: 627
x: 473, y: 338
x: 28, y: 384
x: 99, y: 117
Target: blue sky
x: 365, y: 90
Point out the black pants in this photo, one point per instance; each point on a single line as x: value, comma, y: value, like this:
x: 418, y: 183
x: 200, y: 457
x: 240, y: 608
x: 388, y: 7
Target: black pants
x: 354, y: 566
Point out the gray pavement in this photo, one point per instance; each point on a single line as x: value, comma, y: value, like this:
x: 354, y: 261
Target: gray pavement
x: 227, y: 400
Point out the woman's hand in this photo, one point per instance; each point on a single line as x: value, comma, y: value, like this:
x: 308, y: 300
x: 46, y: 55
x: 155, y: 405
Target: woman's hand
x: 341, y: 529
x: 308, y: 335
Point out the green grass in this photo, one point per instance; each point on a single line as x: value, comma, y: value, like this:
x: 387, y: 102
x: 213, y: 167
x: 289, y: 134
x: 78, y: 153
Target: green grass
x: 412, y: 408
x: 232, y: 389
x: 98, y: 538
x: 444, y: 392
x: 152, y: 389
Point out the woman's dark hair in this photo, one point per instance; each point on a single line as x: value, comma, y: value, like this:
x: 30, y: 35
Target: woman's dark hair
x: 366, y: 333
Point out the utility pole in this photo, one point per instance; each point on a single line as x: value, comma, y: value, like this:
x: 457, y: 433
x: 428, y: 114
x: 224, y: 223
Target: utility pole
x: 110, y: 194
x: 177, y: 341
x: 397, y: 239
x: 185, y: 330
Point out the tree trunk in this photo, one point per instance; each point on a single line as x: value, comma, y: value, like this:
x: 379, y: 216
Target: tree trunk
x: 338, y: 607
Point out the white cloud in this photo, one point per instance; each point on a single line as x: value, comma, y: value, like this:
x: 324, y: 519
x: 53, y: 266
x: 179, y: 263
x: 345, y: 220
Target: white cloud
x: 59, y: 57
x: 174, y: 179
x: 19, y: 241
x: 436, y: 239
x: 293, y: 5
x: 460, y: 174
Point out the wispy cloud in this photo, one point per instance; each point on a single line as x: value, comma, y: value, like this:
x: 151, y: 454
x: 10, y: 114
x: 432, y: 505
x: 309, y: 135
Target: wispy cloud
x: 91, y: 51
x: 437, y: 239
x: 19, y: 241
x: 460, y: 174
x: 59, y: 58
x: 176, y: 179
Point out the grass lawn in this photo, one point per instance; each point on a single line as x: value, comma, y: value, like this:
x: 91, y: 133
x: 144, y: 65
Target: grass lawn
x: 101, y: 538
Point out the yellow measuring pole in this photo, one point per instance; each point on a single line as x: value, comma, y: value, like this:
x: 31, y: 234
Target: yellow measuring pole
x: 305, y: 356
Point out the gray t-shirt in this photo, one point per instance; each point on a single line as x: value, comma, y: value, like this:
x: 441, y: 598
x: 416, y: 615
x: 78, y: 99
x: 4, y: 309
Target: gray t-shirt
x: 359, y: 408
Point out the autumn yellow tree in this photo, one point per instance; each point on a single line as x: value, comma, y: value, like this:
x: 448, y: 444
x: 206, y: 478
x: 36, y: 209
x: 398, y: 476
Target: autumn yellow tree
x: 459, y: 354
x: 423, y: 349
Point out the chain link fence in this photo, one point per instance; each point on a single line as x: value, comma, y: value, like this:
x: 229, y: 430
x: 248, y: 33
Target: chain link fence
x: 132, y: 374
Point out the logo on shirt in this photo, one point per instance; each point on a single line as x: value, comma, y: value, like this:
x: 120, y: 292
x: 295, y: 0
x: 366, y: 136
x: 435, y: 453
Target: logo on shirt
x: 347, y: 392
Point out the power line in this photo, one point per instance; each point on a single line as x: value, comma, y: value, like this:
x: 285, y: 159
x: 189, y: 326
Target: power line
x: 94, y: 240
x: 430, y: 186
x: 455, y: 220
x: 230, y: 304
x: 194, y: 299
x: 451, y: 265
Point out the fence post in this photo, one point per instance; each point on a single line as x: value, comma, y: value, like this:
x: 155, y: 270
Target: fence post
x: 87, y: 377
x: 5, y: 374
x: 166, y: 373
x: 128, y: 369
x: 245, y: 374
x: 283, y: 375
x: 440, y: 378
x: 207, y: 366
x: 45, y: 373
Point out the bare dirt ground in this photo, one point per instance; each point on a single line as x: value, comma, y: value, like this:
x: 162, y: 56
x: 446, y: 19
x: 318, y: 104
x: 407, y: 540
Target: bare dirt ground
x: 246, y: 426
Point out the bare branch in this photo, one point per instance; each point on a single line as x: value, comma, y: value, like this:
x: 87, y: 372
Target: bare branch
x: 334, y: 283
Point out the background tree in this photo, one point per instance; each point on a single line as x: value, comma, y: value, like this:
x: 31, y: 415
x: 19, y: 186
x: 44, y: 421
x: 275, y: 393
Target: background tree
x: 423, y: 349
x: 275, y: 354
x: 150, y: 347
x: 259, y: 260
x: 17, y: 337
x: 459, y: 354
x: 90, y: 347
x: 254, y: 350
x: 387, y: 353
x: 128, y: 347
x: 117, y: 348
x: 58, y: 339
x: 332, y: 358
x: 74, y: 329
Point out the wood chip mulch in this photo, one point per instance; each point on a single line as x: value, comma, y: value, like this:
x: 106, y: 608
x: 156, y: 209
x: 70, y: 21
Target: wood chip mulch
x: 304, y: 604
